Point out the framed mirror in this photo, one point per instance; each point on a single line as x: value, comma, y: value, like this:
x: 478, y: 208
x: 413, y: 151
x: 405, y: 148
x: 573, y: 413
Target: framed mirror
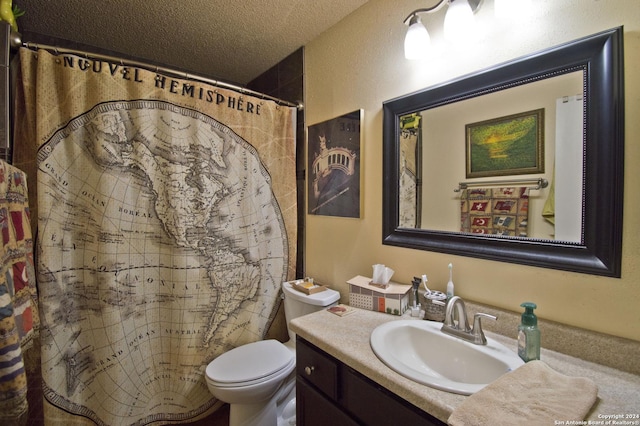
x: 568, y: 177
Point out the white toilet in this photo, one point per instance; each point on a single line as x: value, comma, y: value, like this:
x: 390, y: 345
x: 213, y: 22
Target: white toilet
x: 258, y: 379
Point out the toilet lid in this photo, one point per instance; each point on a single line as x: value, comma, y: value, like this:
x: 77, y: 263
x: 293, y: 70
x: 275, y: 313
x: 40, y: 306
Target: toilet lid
x: 249, y: 362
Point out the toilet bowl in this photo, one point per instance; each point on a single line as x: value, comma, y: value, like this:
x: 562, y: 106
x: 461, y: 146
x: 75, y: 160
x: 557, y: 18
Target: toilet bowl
x: 258, y: 379
x: 252, y: 378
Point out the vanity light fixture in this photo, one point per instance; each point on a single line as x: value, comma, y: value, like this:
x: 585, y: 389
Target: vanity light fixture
x: 458, y: 23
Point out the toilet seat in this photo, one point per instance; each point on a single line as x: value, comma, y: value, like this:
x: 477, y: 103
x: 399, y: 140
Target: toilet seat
x: 249, y: 364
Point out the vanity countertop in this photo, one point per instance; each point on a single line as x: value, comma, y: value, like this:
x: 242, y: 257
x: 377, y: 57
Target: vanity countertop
x: 347, y: 339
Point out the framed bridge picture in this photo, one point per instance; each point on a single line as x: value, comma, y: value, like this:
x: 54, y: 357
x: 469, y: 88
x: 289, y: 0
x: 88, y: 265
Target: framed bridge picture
x: 333, y: 166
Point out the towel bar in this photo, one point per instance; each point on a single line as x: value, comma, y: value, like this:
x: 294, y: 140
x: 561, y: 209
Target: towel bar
x: 536, y: 183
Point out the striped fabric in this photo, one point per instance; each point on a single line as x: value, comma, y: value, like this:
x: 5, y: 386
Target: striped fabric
x: 19, y: 318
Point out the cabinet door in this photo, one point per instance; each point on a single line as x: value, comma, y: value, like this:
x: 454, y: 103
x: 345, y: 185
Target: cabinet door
x: 313, y: 409
x: 374, y: 405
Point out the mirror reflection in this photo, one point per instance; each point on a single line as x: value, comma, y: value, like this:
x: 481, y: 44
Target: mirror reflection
x: 490, y: 130
x: 482, y: 159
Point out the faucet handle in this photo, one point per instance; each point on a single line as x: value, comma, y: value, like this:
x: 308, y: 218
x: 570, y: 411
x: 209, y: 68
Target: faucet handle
x: 478, y: 334
x: 478, y: 315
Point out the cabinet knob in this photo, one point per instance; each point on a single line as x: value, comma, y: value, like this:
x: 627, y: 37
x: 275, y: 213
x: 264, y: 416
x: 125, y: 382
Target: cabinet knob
x: 309, y: 370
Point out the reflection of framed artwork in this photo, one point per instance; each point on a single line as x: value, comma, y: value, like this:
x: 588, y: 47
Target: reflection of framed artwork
x: 510, y: 145
x: 333, y: 166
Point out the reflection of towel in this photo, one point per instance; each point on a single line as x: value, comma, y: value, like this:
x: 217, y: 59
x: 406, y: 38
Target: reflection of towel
x: 549, y: 209
x: 498, y: 211
x: 533, y: 394
x: 19, y: 318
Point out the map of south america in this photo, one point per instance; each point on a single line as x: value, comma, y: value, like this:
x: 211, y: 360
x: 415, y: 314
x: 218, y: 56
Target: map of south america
x: 165, y: 247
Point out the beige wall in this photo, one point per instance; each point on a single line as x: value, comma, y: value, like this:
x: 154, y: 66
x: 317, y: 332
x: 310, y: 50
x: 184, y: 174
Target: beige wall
x: 359, y: 63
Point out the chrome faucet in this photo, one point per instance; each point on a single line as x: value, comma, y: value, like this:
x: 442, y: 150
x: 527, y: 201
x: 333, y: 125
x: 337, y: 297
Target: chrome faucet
x: 460, y: 327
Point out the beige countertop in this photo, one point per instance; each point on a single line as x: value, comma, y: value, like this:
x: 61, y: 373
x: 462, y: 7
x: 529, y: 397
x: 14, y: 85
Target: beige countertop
x: 347, y: 339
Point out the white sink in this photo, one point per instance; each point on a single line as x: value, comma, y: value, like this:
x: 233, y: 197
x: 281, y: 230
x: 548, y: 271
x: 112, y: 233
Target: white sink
x: 419, y: 351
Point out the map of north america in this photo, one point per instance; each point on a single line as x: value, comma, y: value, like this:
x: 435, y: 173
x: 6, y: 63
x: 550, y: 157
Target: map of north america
x: 165, y: 247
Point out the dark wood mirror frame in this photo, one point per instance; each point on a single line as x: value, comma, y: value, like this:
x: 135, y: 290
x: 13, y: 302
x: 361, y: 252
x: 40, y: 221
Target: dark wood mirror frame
x: 600, y: 56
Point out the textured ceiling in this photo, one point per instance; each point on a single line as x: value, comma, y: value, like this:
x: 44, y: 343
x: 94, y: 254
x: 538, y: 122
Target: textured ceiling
x: 230, y: 40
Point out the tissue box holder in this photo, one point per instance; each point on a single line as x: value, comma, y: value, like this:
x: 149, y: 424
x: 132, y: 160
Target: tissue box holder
x: 394, y: 299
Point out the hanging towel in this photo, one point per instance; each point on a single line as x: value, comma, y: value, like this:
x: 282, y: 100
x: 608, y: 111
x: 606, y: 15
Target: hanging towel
x: 19, y: 318
x: 498, y: 211
x: 533, y: 394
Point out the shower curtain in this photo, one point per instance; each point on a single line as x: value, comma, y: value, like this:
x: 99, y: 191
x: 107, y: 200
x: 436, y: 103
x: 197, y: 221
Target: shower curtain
x: 166, y: 223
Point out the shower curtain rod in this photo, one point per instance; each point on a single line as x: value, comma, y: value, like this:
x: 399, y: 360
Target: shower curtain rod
x: 149, y: 67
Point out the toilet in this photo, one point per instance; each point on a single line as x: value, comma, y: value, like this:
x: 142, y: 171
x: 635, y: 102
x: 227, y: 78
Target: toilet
x: 257, y: 380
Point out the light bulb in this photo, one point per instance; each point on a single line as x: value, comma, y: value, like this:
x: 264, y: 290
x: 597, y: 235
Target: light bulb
x: 458, y: 21
x: 417, y: 40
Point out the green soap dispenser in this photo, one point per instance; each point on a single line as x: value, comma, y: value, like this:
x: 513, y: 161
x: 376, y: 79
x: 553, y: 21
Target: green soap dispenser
x: 529, y: 334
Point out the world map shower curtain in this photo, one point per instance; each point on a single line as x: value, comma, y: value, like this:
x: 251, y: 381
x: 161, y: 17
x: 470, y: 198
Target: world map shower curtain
x: 166, y: 214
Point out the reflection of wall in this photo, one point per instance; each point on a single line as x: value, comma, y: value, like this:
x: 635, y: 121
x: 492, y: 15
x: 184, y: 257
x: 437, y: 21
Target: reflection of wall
x: 359, y: 65
x: 444, y: 148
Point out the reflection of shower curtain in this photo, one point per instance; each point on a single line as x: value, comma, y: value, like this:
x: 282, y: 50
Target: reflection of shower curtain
x: 407, y: 188
x: 409, y: 180
x: 563, y: 208
x: 166, y: 224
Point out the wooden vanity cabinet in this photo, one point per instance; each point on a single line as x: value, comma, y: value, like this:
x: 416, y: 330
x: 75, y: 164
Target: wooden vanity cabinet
x: 330, y: 393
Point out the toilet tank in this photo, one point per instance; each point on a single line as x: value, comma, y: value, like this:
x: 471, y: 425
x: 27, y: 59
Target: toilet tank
x: 297, y: 303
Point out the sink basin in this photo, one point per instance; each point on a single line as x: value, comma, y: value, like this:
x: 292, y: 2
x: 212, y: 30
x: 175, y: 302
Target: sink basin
x: 419, y: 351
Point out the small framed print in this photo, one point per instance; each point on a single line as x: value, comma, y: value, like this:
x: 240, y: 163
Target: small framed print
x: 333, y: 165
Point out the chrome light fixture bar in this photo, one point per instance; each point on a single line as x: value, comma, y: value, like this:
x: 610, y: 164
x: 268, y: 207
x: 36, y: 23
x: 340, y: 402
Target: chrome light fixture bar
x: 457, y: 22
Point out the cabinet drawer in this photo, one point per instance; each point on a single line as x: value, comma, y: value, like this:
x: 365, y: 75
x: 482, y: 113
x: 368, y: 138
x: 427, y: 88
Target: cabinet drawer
x: 318, y: 368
